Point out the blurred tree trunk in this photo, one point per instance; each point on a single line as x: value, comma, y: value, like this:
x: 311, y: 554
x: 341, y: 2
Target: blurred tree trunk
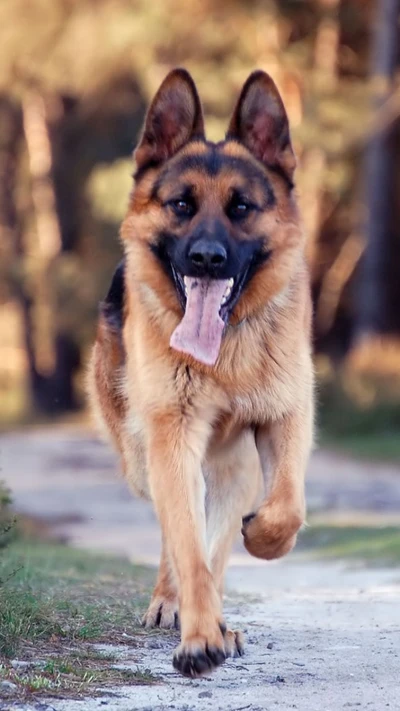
x: 314, y: 160
x: 327, y: 41
x: 10, y: 138
x: 56, y: 355
x: 373, y: 305
x: 11, y: 244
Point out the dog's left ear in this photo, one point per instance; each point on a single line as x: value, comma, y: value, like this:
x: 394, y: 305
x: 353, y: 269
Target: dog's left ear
x: 260, y: 122
x: 174, y: 118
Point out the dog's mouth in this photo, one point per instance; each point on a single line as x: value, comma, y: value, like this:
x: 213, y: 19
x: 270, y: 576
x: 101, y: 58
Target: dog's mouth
x: 207, y: 305
x: 230, y: 297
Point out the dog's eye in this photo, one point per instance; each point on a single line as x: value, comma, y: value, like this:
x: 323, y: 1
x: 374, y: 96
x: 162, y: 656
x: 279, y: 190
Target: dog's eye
x: 238, y: 208
x: 183, y: 208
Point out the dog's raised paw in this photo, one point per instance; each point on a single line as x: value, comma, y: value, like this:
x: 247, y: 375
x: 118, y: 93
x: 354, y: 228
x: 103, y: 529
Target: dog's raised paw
x: 272, y: 531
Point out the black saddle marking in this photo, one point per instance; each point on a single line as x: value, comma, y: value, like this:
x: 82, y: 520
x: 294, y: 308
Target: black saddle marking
x: 113, y: 305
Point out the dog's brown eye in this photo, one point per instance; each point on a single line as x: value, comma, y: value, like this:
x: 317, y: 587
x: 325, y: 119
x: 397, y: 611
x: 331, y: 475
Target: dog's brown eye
x: 185, y: 208
x: 241, y: 208
x: 238, y: 208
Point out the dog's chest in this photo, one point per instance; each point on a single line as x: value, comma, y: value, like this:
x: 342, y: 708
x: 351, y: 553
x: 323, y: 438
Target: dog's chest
x: 266, y: 400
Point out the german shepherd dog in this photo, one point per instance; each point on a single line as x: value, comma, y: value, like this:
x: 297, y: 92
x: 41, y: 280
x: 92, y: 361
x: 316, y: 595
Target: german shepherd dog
x: 201, y: 371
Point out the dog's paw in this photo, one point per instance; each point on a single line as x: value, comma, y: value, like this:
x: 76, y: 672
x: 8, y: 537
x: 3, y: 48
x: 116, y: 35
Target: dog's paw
x: 162, y: 612
x: 201, y: 654
x: 271, y: 532
x: 234, y: 643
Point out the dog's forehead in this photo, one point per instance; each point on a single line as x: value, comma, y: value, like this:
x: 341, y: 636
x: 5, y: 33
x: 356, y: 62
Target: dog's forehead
x: 219, y: 167
x: 216, y: 160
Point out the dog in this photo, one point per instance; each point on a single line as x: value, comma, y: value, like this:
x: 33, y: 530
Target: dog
x: 201, y: 372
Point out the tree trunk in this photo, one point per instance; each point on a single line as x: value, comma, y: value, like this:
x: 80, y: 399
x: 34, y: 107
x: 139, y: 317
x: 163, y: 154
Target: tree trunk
x: 56, y: 355
x: 326, y: 47
x: 372, y: 303
x: 11, y: 136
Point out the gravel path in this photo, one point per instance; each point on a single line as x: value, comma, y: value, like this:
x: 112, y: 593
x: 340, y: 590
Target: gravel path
x: 320, y: 637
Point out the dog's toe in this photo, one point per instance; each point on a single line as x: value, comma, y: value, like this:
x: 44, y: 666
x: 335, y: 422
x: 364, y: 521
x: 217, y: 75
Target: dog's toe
x: 234, y: 643
x: 197, y: 656
x: 192, y: 664
x: 197, y: 662
x: 246, y: 520
x: 162, y: 613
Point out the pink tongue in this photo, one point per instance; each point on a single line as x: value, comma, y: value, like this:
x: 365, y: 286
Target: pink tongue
x: 199, y: 334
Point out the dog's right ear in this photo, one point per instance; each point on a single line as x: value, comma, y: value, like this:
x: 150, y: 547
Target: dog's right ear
x: 174, y: 118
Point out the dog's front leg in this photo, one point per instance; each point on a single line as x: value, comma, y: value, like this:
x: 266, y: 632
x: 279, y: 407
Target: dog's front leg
x: 176, y: 447
x: 284, y: 448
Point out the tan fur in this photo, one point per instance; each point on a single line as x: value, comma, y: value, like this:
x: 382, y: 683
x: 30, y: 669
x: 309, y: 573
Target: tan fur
x: 211, y: 444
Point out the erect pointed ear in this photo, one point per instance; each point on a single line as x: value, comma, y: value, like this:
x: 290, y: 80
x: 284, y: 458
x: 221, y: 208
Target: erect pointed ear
x: 174, y: 118
x: 260, y: 122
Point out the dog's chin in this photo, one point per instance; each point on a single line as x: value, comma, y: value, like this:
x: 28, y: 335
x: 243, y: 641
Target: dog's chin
x: 231, y: 297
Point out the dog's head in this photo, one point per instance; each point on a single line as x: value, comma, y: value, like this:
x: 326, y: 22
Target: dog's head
x: 213, y: 228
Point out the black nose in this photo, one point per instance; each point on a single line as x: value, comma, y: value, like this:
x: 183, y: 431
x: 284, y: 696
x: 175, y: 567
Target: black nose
x: 208, y: 255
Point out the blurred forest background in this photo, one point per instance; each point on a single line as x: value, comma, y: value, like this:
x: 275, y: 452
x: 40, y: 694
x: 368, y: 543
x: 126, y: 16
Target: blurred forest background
x: 75, y: 79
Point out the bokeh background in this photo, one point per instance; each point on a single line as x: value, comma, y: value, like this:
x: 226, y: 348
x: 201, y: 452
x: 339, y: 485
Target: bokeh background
x: 75, y: 79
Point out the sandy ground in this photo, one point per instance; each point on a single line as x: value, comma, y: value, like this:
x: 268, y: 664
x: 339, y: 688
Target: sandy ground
x: 320, y: 636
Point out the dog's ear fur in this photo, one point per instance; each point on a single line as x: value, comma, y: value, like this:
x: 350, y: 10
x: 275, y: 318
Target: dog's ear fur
x: 260, y: 122
x: 174, y: 118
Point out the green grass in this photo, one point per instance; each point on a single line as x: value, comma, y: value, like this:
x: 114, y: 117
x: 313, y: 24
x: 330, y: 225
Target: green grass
x: 374, y: 546
x: 367, y: 431
x: 54, y: 599
x: 57, y: 591
x: 379, y: 447
x: 75, y: 674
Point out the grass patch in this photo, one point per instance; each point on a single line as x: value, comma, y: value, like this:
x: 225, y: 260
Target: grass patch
x: 375, y: 546
x: 7, y: 522
x: 57, y: 591
x: 72, y: 675
x: 369, y: 430
x: 55, y: 599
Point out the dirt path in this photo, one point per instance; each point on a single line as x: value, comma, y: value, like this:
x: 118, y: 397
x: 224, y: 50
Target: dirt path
x: 320, y: 637
x: 68, y: 478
